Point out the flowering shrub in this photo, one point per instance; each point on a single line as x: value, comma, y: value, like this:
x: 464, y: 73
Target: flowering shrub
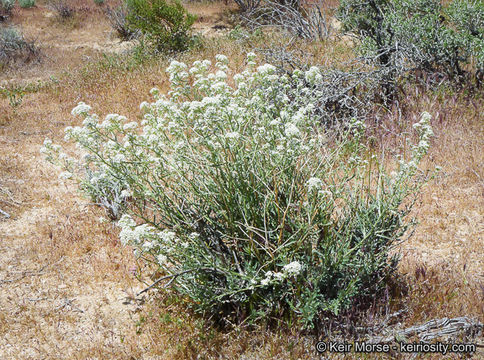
x: 241, y: 198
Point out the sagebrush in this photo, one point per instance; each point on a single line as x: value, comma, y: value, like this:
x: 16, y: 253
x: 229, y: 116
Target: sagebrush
x: 6, y: 7
x: 63, y: 8
x: 422, y: 35
x: 117, y: 17
x: 15, y: 48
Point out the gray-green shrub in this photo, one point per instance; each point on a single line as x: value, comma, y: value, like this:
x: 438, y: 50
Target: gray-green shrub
x: 14, y: 47
x: 419, y: 34
x: 6, y: 7
x: 247, y: 204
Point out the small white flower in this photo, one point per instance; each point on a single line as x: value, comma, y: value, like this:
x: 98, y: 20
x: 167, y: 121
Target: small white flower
x: 313, y: 75
x: 119, y: 158
x: 65, y: 175
x: 266, y: 69
x: 144, y: 106
x: 220, y: 75
x: 238, y: 78
x: 126, y: 194
x: 148, y: 245
x: 232, y: 135
x: 126, y: 221
x: 194, y: 236
x: 168, y: 236
x: 314, y: 183
x: 222, y: 59
x: 81, y: 109
x: 278, y: 276
x: 291, y: 130
x: 292, y: 269
x: 130, y: 126
x: 161, y: 259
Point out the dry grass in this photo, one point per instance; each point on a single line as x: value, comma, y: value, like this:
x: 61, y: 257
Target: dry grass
x: 66, y: 285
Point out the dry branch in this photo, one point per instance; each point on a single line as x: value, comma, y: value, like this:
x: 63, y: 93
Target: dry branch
x: 434, y: 329
x: 7, y: 215
x: 308, y: 22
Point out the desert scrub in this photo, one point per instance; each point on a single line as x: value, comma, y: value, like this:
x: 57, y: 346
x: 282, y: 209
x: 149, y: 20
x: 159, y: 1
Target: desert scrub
x: 242, y: 199
x: 6, y: 7
x: 14, y: 47
x: 166, y: 24
x: 422, y: 35
x: 63, y: 8
x: 117, y: 17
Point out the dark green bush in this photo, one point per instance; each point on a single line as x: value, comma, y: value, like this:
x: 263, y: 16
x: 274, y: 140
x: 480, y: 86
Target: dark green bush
x: 165, y: 24
x: 26, y: 3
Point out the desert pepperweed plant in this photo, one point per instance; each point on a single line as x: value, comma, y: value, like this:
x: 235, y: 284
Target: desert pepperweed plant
x: 242, y: 199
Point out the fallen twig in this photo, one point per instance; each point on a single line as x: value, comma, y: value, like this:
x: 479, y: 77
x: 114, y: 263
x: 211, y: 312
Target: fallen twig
x: 172, y: 277
x: 434, y: 329
x: 7, y: 215
x: 68, y: 302
x: 26, y: 273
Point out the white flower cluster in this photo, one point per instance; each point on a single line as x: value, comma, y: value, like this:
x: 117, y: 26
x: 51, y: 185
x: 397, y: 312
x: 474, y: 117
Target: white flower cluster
x: 314, y: 183
x: 292, y: 269
x: 131, y: 233
x: 425, y: 132
x: 313, y: 75
x: 147, y: 238
x: 81, y: 109
x: 357, y: 126
x: 409, y: 168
